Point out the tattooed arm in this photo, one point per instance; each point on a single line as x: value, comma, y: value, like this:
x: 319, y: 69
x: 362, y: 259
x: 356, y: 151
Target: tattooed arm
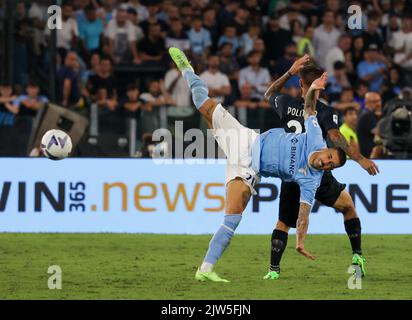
x: 280, y: 82
x: 302, y: 230
x: 352, y: 151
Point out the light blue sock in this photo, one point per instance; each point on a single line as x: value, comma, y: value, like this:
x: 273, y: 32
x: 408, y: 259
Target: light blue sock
x: 200, y: 92
x: 220, y: 241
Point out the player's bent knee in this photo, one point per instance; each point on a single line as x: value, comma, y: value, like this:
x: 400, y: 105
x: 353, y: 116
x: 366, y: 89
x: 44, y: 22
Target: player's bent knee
x: 207, y: 109
x: 282, y: 226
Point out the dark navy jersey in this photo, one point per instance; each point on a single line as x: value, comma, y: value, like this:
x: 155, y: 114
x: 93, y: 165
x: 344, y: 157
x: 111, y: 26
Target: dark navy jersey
x: 289, y: 114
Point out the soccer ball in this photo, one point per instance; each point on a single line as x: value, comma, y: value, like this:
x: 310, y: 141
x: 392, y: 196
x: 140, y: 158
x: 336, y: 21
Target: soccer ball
x: 56, y: 144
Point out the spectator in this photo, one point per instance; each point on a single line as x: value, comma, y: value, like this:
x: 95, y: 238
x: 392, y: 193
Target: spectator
x: 240, y: 21
x: 209, y: 23
x: 305, y: 45
x: 176, y: 85
x: 217, y: 82
x: 291, y: 15
x: 361, y: 89
x: 255, y: 75
x: 325, y: 37
x: 392, y: 86
x: 153, y: 9
x: 227, y: 14
x: 297, y: 30
x: 284, y: 63
x: 105, y: 102
x: 228, y: 62
x: 247, y: 39
x: 401, y: 43
x: 28, y: 104
x: 152, y: 47
x: 186, y: 14
x: 132, y: 105
x: 357, y: 51
x: 275, y: 39
x: 121, y: 38
x: 246, y: 99
x: 8, y: 112
x: 106, y: 13
x: 103, y: 79
x: 367, y: 122
x: 338, y: 53
x: 338, y: 80
x: 133, y: 18
x: 66, y: 36
x: 372, y: 68
x: 176, y: 37
x: 371, y: 35
x: 346, y: 100
x: 229, y: 35
x: 152, y: 100
x: 90, y: 30
x: 142, y: 12
x: 68, y: 92
x: 199, y: 37
x: 348, y: 128
x: 259, y: 46
x: 92, y: 70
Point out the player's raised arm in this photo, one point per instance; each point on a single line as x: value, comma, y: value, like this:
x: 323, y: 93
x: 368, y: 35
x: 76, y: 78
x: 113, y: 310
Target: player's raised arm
x: 352, y: 151
x: 302, y: 230
x: 313, y: 94
x: 277, y: 85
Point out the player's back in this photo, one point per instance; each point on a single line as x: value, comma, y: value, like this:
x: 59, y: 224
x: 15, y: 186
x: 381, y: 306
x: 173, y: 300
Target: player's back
x: 288, y: 113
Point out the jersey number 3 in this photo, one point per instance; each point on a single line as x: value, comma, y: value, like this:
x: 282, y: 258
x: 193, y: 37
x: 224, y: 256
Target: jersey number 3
x: 295, y: 124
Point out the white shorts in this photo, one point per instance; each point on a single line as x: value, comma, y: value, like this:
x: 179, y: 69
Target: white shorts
x: 236, y: 142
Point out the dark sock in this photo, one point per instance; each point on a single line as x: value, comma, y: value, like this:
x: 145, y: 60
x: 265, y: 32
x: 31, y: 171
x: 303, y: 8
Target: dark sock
x: 353, y: 229
x: 279, y: 242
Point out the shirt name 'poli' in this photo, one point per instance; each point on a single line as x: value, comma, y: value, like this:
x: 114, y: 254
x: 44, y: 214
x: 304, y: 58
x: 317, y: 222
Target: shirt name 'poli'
x: 295, y: 112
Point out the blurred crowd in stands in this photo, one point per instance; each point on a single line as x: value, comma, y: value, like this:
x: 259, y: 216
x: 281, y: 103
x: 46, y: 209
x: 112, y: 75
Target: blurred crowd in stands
x: 113, y: 54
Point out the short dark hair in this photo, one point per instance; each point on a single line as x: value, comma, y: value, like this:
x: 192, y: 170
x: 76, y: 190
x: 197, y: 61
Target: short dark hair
x: 310, y: 73
x: 338, y: 65
x: 341, y: 155
x: 349, y: 109
x: 131, y: 87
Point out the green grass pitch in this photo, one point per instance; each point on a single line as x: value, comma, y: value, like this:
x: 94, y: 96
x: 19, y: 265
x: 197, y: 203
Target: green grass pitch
x: 136, y: 266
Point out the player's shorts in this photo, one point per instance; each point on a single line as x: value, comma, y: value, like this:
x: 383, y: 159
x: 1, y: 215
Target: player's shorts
x: 327, y: 193
x: 236, y: 142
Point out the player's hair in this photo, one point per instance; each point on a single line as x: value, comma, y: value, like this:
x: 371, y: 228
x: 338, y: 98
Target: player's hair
x: 310, y: 73
x: 342, y: 156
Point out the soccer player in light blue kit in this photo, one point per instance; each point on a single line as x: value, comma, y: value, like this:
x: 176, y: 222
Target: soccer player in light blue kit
x: 290, y: 156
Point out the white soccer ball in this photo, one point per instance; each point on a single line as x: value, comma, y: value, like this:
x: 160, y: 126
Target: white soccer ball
x: 56, y: 144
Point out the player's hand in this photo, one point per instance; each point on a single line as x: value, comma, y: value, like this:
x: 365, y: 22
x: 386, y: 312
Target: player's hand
x: 369, y: 166
x: 301, y: 249
x: 299, y: 64
x: 320, y: 83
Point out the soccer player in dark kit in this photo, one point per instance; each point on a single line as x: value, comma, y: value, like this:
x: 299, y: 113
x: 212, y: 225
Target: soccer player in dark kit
x: 289, y: 115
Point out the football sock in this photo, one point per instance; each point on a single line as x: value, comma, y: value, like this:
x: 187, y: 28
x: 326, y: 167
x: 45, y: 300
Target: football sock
x: 220, y: 241
x: 279, y: 242
x: 200, y: 92
x: 353, y: 229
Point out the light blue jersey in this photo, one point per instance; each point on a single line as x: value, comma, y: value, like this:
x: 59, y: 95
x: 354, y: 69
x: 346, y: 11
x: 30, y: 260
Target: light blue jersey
x: 286, y: 156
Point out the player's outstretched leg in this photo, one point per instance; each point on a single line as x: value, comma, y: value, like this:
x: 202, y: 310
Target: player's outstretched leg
x: 353, y: 228
x: 200, y: 92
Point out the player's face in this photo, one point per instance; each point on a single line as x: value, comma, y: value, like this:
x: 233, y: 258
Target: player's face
x: 326, y: 159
